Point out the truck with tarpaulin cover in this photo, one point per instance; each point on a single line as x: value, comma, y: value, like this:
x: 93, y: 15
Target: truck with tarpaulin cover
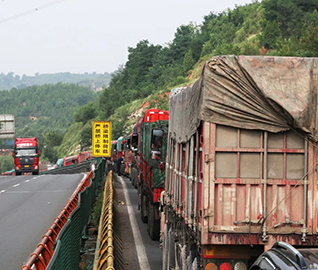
x: 26, y: 156
x: 152, y: 151
x: 241, y: 170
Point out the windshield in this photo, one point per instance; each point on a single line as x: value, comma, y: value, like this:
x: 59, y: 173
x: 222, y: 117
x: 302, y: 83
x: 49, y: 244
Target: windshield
x: 26, y: 152
x: 156, y: 140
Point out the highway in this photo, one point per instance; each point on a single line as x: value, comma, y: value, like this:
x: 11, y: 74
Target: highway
x: 28, y: 206
x: 149, y: 256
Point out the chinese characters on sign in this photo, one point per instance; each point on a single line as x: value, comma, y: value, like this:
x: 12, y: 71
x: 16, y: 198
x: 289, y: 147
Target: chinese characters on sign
x: 101, y: 141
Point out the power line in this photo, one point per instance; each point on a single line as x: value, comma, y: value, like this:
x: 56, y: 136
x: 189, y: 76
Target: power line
x: 29, y: 11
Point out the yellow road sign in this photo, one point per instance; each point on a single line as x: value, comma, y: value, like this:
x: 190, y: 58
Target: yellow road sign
x: 101, y: 140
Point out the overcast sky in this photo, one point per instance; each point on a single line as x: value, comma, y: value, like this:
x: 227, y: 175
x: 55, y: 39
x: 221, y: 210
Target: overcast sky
x: 89, y: 35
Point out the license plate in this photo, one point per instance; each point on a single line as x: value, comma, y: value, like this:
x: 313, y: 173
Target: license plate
x: 26, y: 166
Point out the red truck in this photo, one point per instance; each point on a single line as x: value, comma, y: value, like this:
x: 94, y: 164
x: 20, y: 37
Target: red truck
x: 26, y: 156
x: 241, y: 170
x: 152, y: 151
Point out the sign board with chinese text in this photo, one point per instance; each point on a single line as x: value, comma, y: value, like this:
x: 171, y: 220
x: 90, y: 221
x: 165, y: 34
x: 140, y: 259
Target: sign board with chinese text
x: 7, y: 126
x: 101, y: 140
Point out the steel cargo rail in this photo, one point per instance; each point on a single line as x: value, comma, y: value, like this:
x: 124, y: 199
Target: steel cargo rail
x: 42, y: 255
x: 104, y: 255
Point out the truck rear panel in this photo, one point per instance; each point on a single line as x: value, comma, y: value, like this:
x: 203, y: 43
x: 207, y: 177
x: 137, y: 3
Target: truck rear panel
x: 240, y: 186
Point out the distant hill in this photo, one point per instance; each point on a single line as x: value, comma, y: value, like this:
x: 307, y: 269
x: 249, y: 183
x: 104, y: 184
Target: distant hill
x: 39, y: 109
x: 93, y: 80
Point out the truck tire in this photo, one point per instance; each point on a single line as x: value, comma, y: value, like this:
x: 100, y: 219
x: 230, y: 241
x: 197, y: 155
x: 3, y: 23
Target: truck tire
x: 153, y: 226
x: 143, y: 208
x: 17, y: 173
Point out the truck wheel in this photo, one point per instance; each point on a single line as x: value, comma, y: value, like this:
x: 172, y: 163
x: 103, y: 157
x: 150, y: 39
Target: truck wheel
x: 153, y: 226
x: 35, y: 173
x: 143, y: 208
x: 17, y: 173
x: 134, y: 181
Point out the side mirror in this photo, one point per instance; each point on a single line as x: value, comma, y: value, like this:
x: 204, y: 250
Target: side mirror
x: 39, y: 152
x: 13, y: 154
x: 155, y: 154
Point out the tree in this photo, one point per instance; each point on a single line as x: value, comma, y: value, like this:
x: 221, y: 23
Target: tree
x: 85, y: 113
x: 6, y: 163
x: 270, y: 33
x: 50, y: 153
x: 309, y: 41
x: 53, y: 138
x: 188, y: 62
x: 181, y: 42
x: 86, y: 136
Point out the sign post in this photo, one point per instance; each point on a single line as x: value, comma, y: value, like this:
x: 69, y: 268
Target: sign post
x: 101, y: 141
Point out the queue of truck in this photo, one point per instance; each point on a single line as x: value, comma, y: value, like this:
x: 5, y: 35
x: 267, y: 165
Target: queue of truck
x: 232, y: 169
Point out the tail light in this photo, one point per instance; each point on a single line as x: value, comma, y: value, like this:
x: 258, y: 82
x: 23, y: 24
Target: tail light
x: 211, y: 266
x: 225, y: 266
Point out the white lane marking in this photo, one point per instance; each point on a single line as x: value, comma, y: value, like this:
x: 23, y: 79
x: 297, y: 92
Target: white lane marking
x: 27, y: 181
x: 16, y: 185
x: 2, y: 191
x: 34, y: 178
x: 141, y: 253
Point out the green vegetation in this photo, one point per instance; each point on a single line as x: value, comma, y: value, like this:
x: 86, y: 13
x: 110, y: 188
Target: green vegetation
x: 39, y: 109
x: 6, y: 163
x: 92, y: 80
x: 270, y: 27
x: 47, y: 111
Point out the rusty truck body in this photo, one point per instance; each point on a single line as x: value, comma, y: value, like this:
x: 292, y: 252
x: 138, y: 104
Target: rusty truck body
x: 241, y: 167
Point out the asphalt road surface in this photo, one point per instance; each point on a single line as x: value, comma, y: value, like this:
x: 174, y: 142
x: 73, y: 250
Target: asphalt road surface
x: 153, y: 254
x: 28, y: 206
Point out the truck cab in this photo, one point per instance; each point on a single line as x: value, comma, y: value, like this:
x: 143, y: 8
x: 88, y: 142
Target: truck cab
x: 26, y: 156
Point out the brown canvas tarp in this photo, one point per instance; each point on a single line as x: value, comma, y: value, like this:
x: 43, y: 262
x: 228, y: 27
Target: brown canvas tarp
x: 251, y: 92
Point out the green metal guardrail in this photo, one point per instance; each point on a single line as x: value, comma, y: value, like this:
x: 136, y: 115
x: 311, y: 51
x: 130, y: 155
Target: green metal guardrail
x: 69, y: 239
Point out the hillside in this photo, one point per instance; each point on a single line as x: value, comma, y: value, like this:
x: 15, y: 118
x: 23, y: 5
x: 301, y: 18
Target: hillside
x: 270, y: 27
x: 93, y: 80
x: 39, y: 109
